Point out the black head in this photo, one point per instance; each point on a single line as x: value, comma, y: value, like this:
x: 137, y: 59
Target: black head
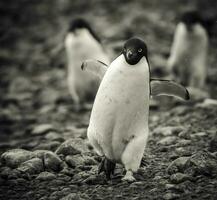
x: 134, y: 49
x: 190, y: 18
x: 80, y: 23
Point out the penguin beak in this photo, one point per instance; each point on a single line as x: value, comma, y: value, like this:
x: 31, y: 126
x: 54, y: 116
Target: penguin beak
x: 129, y: 54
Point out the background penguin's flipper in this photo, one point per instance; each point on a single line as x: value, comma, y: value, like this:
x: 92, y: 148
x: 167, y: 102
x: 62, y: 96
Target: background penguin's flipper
x: 95, y: 67
x: 169, y: 88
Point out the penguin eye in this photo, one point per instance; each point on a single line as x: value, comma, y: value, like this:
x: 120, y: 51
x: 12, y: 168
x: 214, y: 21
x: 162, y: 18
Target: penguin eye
x: 140, y: 50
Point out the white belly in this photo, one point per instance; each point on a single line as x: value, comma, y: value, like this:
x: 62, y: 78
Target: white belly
x: 78, y: 49
x: 120, y: 110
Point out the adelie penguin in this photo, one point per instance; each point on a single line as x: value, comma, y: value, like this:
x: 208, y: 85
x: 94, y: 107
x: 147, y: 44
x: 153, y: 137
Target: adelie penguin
x: 82, y: 43
x: 188, y: 57
x: 118, y: 128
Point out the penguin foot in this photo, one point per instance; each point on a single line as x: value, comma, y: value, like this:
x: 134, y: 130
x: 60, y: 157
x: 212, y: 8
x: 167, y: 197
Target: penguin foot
x: 129, y: 177
x: 107, y: 166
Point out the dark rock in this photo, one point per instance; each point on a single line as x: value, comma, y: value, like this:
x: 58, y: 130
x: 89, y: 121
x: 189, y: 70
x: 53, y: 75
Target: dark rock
x: 94, y: 180
x: 44, y: 176
x: 33, y: 166
x: 15, y: 157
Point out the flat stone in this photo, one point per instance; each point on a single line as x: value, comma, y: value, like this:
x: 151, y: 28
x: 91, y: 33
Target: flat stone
x: 13, y: 158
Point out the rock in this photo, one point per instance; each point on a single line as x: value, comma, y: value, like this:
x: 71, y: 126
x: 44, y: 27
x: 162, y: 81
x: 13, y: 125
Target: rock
x: 75, y: 161
x: 197, y: 94
x: 183, y: 142
x: 213, y: 143
x: 44, y: 176
x: 13, y: 158
x: 72, y: 196
x: 179, y: 177
x: 52, y: 146
x: 51, y: 160
x: 168, y: 130
x: 207, y: 103
x: 54, y: 136
x: 42, y: 129
x: 169, y: 140
x: 72, y: 131
x: 71, y: 147
x: 178, y: 165
x: 33, y: 166
x: 198, y: 135
x: 184, y: 134
x: 94, y: 180
x: 170, y: 196
x: 202, y: 163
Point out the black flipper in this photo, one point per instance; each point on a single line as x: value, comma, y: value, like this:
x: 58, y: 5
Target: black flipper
x: 107, y: 166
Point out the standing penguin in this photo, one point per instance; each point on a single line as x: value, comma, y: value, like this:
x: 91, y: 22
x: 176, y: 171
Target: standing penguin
x: 82, y: 43
x: 118, y: 128
x: 188, y: 57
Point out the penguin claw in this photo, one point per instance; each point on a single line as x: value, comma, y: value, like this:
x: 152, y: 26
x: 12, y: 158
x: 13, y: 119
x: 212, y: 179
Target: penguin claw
x: 106, y: 166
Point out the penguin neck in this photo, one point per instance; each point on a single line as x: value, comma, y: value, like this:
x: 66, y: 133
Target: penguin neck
x: 121, y: 62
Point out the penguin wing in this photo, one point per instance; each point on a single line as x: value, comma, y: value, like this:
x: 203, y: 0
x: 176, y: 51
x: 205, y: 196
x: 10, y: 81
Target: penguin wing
x: 169, y: 88
x: 95, y: 67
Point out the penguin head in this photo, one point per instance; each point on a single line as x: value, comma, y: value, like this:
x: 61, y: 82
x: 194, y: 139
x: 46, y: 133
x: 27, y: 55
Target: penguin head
x: 133, y: 50
x: 190, y: 18
x: 80, y: 24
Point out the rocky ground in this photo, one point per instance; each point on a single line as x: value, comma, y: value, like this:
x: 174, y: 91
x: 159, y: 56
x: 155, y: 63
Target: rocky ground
x: 44, y: 150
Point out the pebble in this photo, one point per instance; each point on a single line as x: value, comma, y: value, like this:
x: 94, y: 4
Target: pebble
x: 52, y: 146
x: 168, y: 140
x: 75, y: 161
x: 170, y: 196
x: 42, y: 129
x: 68, y: 148
x: 179, y: 177
x: 178, y: 165
x: 46, y: 176
x: 54, y: 136
x: 32, y: 166
x: 168, y: 130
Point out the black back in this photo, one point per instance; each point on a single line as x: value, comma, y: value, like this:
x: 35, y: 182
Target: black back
x: 191, y: 17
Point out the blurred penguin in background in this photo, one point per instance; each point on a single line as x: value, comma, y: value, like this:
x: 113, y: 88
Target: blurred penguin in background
x: 188, y: 57
x: 82, y: 43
